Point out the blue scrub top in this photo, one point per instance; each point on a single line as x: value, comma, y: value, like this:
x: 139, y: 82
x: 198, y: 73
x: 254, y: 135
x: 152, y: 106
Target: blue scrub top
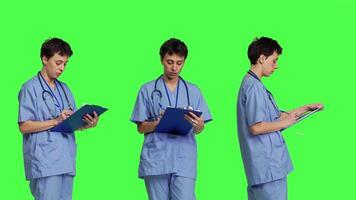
x: 164, y: 153
x: 45, y: 153
x: 265, y: 156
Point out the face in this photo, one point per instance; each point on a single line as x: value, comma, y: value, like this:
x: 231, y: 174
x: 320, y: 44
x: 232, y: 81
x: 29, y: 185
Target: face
x: 55, y: 65
x: 269, y: 64
x: 172, y: 65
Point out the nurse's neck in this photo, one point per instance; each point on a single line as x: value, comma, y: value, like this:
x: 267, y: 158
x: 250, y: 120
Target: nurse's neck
x: 47, y: 78
x: 171, y: 82
x: 257, y: 70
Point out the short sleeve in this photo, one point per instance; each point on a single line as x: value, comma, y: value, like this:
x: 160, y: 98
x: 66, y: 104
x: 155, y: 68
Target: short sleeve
x: 203, y: 107
x: 140, y: 112
x: 255, y: 105
x: 27, y: 104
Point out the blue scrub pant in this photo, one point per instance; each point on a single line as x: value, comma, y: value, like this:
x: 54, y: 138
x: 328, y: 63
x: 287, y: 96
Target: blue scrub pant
x: 275, y: 190
x: 170, y: 187
x: 52, y: 187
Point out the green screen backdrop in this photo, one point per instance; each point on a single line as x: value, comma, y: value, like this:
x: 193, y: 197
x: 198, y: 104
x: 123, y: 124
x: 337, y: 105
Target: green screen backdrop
x: 116, y: 45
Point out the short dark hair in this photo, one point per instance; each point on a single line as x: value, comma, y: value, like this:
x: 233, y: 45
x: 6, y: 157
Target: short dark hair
x: 173, y: 46
x: 262, y: 46
x: 55, y: 45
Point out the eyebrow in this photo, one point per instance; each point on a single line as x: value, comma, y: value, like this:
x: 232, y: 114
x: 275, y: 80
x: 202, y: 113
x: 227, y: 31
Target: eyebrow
x: 176, y: 61
x: 61, y: 61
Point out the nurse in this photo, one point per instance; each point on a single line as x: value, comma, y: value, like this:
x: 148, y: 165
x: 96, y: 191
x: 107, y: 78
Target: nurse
x: 168, y: 162
x: 44, y: 102
x: 260, y: 122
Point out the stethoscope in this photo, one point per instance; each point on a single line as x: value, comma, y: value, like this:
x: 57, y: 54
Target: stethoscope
x: 270, y: 96
x: 159, y: 93
x: 51, y: 93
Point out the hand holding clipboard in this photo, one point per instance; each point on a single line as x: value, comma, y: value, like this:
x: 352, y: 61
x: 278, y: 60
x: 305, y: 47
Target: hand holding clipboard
x: 304, y: 115
x: 173, y: 121
x: 75, y: 121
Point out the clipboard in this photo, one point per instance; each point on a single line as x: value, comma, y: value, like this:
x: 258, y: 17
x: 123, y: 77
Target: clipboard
x: 304, y: 116
x: 173, y: 121
x: 307, y: 114
x: 75, y: 121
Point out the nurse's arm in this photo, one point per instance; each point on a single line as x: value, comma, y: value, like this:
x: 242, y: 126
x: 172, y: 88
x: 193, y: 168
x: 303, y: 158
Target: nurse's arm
x: 38, y: 126
x: 269, y: 127
x: 195, y: 121
x: 284, y: 114
x: 301, y: 110
x: 147, y: 126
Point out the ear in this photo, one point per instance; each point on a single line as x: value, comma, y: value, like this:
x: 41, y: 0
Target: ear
x: 261, y: 59
x: 44, y: 60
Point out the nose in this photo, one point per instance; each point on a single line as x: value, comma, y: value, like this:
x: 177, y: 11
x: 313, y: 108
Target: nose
x: 174, y: 67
